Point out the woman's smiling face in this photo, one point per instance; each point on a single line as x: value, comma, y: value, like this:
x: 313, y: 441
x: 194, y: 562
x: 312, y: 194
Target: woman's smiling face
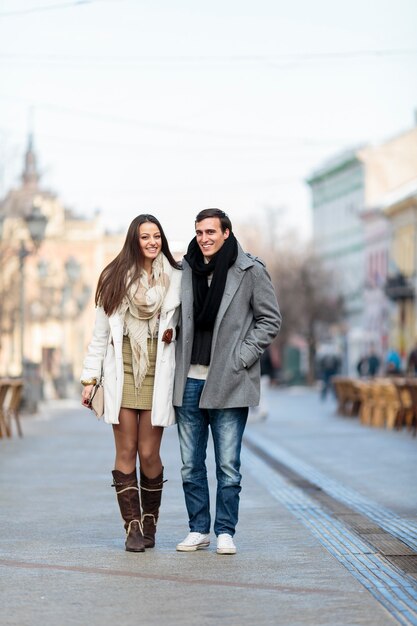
x: 150, y: 240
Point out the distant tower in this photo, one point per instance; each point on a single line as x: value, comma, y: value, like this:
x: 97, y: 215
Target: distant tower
x: 30, y: 174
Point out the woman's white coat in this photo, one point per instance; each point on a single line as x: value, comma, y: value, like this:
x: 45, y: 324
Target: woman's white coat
x: 106, y: 347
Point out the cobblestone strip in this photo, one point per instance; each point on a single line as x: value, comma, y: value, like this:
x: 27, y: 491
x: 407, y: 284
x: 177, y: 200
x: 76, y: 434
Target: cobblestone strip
x: 394, y: 591
x: 403, y: 529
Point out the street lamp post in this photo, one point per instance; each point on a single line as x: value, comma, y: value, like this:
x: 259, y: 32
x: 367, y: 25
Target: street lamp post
x: 23, y: 253
x: 36, y: 222
x: 72, y: 272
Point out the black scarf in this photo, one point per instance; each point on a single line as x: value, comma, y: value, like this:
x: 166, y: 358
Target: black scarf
x: 207, y: 299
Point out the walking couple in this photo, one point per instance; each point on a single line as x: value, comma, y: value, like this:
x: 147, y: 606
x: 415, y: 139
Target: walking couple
x: 180, y: 343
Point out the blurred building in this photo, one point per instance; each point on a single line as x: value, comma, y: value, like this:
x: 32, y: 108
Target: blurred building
x: 400, y: 208
x: 377, y: 306
x: 357, y: 228
x: 47, y: 283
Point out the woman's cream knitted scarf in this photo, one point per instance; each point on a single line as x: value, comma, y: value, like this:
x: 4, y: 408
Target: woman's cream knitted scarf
x: 141, y: 308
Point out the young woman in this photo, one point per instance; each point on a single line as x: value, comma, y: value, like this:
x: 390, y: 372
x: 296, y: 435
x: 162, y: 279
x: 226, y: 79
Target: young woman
x: 133, y: 346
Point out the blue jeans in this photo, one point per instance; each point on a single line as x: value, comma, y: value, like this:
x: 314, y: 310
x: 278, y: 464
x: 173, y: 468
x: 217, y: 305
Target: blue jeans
x: 227, y: 426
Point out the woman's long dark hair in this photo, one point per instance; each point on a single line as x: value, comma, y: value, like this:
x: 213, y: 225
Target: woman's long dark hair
x: 113, y: 285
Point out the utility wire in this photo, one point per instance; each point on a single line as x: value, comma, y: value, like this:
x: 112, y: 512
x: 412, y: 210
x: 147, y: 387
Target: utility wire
x: 285, y: 146
x: 163, y: 189
x: 179, y: 61
x: 170, y: 128
x: 51, y: 7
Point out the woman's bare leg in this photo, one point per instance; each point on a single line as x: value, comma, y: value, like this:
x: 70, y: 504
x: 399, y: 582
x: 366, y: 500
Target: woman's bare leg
x: 126, y: 440
x: 125, y: 478
x: 149, y: 443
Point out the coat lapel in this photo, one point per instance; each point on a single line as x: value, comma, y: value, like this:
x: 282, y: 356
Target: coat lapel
x: 234, y: 278
x: 172, y: 298
x: 187, y: 293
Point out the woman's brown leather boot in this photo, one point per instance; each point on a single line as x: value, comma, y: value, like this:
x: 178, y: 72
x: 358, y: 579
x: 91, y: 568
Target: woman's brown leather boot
x: 150, y: 494
x: 126, y: 486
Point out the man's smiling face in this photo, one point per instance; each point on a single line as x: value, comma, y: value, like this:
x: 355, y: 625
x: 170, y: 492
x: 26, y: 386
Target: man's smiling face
x: 210, y: 236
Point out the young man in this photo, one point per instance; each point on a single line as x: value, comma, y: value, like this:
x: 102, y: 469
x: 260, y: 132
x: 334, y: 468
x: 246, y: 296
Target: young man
x: 229, y: 316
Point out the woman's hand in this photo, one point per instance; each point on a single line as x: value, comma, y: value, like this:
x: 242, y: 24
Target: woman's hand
x: 85, y: 396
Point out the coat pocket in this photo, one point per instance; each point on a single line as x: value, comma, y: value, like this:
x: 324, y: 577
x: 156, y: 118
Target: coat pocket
x: 237, y: 358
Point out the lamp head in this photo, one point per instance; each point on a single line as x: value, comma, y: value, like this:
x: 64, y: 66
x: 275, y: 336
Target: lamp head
x: 36, y: 222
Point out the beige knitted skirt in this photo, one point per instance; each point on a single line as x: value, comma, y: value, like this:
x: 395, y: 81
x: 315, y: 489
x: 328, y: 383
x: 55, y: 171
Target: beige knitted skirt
x: 142, y: 398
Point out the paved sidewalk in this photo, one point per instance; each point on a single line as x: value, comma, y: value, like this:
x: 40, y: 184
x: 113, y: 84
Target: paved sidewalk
x: 61, y: 547
x: 375, y: 461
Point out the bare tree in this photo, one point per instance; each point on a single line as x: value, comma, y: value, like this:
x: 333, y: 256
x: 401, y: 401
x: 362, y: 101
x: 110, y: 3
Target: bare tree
x: 309, y: 298
x: 307, y: 290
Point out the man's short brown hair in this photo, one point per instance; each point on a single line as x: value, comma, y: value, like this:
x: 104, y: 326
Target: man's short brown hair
x: 223, y: 217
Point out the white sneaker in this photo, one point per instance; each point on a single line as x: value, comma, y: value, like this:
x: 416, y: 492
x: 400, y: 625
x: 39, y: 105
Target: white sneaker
x: 194, y: 541
x: 225, y: 544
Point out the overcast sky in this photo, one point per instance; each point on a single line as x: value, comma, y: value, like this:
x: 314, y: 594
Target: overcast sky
x: 171, y: 106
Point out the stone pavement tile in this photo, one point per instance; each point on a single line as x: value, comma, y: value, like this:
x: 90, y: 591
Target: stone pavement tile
x: 62, y: 560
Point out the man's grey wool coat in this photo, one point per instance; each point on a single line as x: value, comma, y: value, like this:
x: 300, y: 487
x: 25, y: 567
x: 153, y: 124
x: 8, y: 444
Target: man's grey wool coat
x: 247, y: 321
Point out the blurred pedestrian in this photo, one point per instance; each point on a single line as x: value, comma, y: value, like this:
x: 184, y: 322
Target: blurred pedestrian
x: 276, y: 365
x: 392, y: 363
x: 229, y: 315
x: 329, y: 366
x: 369, y: 364
x: 137, y: 300
x: 362, y: 366
x: 412, y: 361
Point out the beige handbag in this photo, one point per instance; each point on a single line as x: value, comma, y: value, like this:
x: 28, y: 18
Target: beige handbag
x: 96, y: 399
